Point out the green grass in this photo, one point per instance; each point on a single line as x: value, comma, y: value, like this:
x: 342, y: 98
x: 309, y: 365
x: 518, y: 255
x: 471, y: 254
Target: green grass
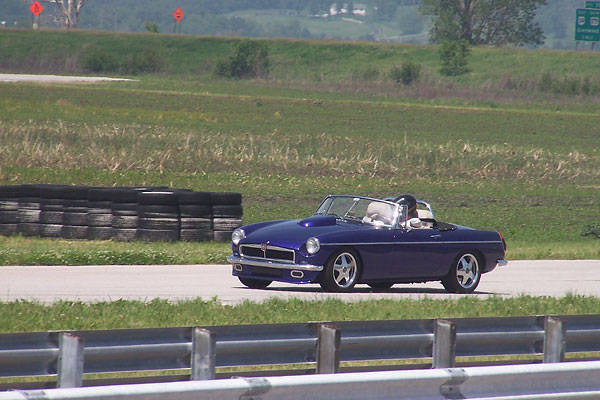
x: 66, y: 315
x: 17, y: 250
x: 313, y: 60
x: 503, y: 168
x: 484, y: 153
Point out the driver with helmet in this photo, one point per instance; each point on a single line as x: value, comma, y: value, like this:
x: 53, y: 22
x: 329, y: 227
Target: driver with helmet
x: 411, y: 204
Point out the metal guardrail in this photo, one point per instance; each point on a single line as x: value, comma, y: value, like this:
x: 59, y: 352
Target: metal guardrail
x: 66, y: 356
x: 572, y: 381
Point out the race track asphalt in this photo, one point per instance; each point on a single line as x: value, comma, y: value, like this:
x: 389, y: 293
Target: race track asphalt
x: 46, y: 284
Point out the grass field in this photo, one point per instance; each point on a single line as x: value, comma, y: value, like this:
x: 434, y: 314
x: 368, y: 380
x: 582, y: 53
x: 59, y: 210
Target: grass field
x: 484, y: 153
x: 26, y: 316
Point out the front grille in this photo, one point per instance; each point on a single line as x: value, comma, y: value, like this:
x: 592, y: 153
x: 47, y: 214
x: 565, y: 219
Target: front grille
x: 271, y: 253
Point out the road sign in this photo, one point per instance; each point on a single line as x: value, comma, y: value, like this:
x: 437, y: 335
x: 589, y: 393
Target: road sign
x: 592, y: 4
x: 36, y: 8
x: 587, y: 25
x: 178, y: 14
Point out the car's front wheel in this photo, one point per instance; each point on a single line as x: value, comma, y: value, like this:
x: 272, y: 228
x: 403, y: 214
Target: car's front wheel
x: 464, y: 274
x: 381, y: 285
x: 254, y: 283
x: 341, y: 271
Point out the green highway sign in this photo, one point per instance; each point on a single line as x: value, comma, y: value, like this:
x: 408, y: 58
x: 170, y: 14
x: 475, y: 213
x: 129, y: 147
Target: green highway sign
x: 592, y: 4
x: 587, y: 25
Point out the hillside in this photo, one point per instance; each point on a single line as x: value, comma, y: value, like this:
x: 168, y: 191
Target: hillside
x: 365, y: 66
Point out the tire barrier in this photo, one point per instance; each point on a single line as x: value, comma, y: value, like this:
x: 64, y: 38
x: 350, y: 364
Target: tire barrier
x: 227, y: 214
x: 28, y: 214
x: 119, y: 213
x: 99, y: 215
x: 52, y: 208
x: 9, y: 208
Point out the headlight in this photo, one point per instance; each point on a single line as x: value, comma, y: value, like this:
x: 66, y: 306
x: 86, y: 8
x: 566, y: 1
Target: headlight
x: 237, y: 235
x: 312, y: 245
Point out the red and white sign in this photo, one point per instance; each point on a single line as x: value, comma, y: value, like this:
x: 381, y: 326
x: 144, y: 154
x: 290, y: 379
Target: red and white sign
x: 178, y: 14
x: 36, y: 8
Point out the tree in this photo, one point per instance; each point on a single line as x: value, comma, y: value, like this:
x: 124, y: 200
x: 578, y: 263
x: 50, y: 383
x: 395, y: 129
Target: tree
x: 251, y: 60
x: 69, y: 10
x: 453, y: 56
x: 495, y: 22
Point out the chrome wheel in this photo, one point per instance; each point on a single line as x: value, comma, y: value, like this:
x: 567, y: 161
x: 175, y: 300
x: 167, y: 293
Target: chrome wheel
x: 344, y: 270
x: 464, y: 275
x: 467, y: 271
x: 341, y: 272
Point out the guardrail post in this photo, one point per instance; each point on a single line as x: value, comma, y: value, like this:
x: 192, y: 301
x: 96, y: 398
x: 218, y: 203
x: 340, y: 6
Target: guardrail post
x: 554, y: 340
x: 70, y: 361
x: 328, y: 349
x: 203, y: 360
x: 444, y: 344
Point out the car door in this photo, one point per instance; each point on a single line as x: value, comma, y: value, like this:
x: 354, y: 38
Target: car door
x: 396, y: 254
x: 421, y: 252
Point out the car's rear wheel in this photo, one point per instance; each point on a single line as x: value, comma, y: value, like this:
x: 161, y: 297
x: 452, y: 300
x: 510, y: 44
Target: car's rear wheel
x: 254, y: 283
x: 341, y: 271
x: 464, y: 274
x: 381, y: 285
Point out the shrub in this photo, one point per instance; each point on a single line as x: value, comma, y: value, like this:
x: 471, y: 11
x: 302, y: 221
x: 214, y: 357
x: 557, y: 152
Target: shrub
x: 370, y: 73
x: 151, y: 27
x: 99, y: 61
x: 251, y: 59
x: 546, y: 82
x: 148, y: 60
x: 453, y: 56
x: 571, y: 86
x: 592, y: 230
x: 407, y: 73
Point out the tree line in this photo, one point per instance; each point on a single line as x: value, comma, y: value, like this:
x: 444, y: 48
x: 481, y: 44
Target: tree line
x: 494, y: 22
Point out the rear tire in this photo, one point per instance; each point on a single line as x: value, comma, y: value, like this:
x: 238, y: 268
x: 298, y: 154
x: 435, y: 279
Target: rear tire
x: 254, y: 283
x: 464, y: 274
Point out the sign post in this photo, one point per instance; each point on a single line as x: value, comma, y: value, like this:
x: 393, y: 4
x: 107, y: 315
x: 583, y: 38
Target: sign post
x: 178, y: 15
x: 36, y: 9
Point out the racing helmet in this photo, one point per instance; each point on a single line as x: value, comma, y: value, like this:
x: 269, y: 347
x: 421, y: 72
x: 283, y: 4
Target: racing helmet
x: 410, y: 202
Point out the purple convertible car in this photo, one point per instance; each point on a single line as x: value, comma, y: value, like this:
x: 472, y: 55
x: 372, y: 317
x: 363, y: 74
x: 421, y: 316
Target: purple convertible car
x: 355, y: 239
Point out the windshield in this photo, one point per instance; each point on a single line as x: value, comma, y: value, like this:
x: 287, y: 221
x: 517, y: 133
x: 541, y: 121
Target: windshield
x: 360, y: 209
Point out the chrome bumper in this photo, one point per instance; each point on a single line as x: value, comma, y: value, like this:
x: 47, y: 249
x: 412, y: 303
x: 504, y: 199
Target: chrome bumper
x: 273, y: 264
x: 501, y: 262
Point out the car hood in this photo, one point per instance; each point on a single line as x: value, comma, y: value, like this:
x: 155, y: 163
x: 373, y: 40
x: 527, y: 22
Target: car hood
x: 294, y: 233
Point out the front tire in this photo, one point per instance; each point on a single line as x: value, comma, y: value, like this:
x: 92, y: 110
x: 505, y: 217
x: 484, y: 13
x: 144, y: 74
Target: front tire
x: 254, y: 283
x: 341, y: 272
x: 381, y: 285
x: 464, y: 274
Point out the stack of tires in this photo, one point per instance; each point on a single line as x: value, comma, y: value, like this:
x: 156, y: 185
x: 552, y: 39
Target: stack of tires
x: 195, y: 215
x: 124, y: 221
x: 52, y: 211
x: 122, y: 214
x: 9, y: 209
x: 99, y: 217
x: 75, y: 224
x: 158, y: 216
x: 28, y: 214
x: 227, y: 214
